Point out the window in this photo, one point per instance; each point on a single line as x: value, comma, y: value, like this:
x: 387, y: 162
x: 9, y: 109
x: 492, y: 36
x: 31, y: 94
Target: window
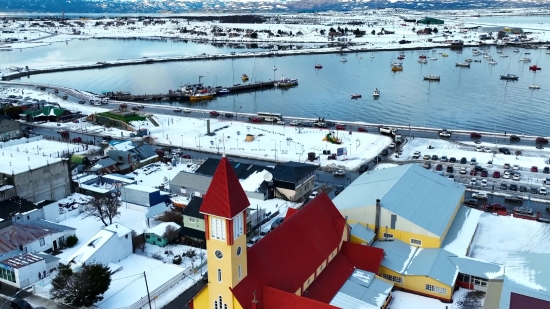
x: 221, y: 302
x: 238, y: 225
x: 224, y: 306
x: 239, y: 271
x: 192, y: 219
x: 217, y: 228
x: 219, y: 275
x: 395, y: 279
x: 436, y: 289
x: 158, y: 239
x: 7, y: 274
x: 126, y: 236
x: 321, y: 268
x: 42, y: 241
x: 386, y: 235
x: 62, y: 239
x: 416, y: 242
x: 147, y: 236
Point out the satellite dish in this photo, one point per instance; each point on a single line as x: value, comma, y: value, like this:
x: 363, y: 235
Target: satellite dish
x: 268, y: 177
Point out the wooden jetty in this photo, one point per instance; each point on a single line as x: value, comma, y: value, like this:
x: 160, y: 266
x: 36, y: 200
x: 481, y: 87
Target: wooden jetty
x: 181, y: 96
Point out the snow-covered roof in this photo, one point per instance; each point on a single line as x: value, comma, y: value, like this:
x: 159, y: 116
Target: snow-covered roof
x: 462, y: 230
x: 118, y: 228
x: 253, y: 182
x: 127, y: 145
x: 526, y: 274
x: 141, y: 188
x: 398, y: 254
x: 90, y: 247
x: 161, y: 228
x: 16, y: 162
x: 362, y: 290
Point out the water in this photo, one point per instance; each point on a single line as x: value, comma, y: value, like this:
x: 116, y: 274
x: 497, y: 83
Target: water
x: 469, y: 99
x: 94, y: 50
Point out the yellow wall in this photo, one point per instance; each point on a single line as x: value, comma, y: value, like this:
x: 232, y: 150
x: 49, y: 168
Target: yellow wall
x: 306, y: 283
x: 236, y: 304
x: 427, y: 242
x: 321, y: 268
x: 202, y: 300
x: 418, y: 284
x: 299, y: 292
x: 387, y: 271
x: 492, y: 297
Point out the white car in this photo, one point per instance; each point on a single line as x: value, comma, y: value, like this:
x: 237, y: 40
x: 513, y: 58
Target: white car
x: 479, y: 195
x: 506, y: 175
x: 462, y: 170
x: 486, y: 149
x: 484, y: 182
x: 313, y: 194
x: 473, y: 181
x: 177, y: 109
x: 515, y: 167
x: 516, y: 177
x: 281, y: 122
x: 479, y: 148
x: 294, y: 122
x: 339, y: 173
x: 392, y: 145
x: 542, y: 190
x: 445, y: 133
x: 186, y: 110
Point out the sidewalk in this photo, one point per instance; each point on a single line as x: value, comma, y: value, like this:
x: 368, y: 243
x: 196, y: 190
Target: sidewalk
x: 8, y: 292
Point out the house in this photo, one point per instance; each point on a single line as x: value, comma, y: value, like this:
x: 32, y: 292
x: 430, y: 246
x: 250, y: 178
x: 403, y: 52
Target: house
x: 192, y: 230
x: 155, y: 236
x: 306, y: 262
x: 18, y: 209
x: 409, y: 203
x: 293, y: 181
x: 21, y: 269
x: 110, y: 245
x: 34, y: 236
x: 104, y: 166
x: 9, y: 129
x: 141, y: 195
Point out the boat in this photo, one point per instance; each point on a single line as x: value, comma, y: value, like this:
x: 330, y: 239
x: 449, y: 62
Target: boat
x: 355, y: 96
x: 318, y: 66
x: 509, y: 77
x: 516, y: 50
x: 372, y: 56
x: 487, y: 57
x: 422, y: 60
x: 444, y: 55
x: 274, y: 68
x: 401, y: 57
x: 397, y: 67
x: 493, y: 62
x: 432, y: 78
x: 222, y: 91
x: 504, y: 56
x: 527, y: 53
x: 376, y: 93
x: 201, y: 96
x: 433, y: 58
x: 548, y: 51
x: 534, y: 87
x: 477, y: 60
x: 285, y: 82
x: 525, y: 59
x: 463, y: 64
x: 343, y: 60
x: 468, y: 60
x: 244, y: 77
x: 534, y: 68
x: 422, y: 57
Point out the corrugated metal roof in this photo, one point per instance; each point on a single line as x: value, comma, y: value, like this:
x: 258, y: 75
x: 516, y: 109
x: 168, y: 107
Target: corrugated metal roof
x: 474, y: 267
x: 434, y: 263
x: 21, y: 260
x: 47, y: 226
x: 462, y: 230
x: 191, y: 180
x: 362, y: 232
x: 527, y: 274
x: 410, y: 191
x: 397, y: 254
x: 362, y: 290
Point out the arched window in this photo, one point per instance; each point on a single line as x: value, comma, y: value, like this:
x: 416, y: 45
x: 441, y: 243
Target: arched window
x: 225, y: 306
x: 216, y: 304
x: 240, y: 272
x: 221, y: 302
x: 220, y: 278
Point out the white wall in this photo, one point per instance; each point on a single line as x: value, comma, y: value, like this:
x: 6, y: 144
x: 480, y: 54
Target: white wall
x: 29, y: 274
x: 28, y: 216
x: 51, y: 211
x: 36, y: 247
x: 113, y: 251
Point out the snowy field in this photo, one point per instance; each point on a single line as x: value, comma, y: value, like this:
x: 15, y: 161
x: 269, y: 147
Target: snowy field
x: 496, y: 236
x: 45, y: 148
x: 159, y: 173
x: 404, y: 300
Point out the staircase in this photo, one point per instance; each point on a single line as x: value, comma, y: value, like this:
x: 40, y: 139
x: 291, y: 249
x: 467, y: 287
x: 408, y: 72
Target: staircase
x: 154, y: 121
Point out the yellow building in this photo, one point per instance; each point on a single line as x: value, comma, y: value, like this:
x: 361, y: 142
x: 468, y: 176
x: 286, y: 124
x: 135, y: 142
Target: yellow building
x: 307, y: 262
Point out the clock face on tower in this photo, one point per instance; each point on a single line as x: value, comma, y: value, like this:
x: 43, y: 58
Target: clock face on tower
x: 239, y: 249
x: 218, y: 254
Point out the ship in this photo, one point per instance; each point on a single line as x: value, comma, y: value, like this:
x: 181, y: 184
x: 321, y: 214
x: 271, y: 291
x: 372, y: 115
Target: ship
x: 201, y: 97
x: 397, y: 67
x: 286, y: 82
x: 433, y: 78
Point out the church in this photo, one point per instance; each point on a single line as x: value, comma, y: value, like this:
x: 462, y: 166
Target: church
x: 306, y: 262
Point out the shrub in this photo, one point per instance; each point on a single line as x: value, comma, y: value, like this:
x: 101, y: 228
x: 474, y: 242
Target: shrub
x: 72, y: 241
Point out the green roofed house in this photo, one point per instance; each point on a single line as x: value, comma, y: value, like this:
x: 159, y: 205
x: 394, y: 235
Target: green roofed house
x: 430, y: 21
x: 48, y: 113
x: 156, y: 235
x: 80, y: 159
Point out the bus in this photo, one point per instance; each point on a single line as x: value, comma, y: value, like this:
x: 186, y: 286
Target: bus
x: 270, y: 116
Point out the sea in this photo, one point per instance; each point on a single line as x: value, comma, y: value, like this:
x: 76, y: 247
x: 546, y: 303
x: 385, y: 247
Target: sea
x: 472, y: 98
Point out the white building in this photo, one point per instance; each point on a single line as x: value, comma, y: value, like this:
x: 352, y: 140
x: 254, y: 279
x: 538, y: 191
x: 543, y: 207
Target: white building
x: 21, y: 269
x: 34, y: 236
x: 110, y: 245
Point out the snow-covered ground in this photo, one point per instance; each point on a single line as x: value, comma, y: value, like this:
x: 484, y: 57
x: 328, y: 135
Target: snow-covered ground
x: 496, y: 236
x: 404, y: 300
x: 46, y: 148
x: 159, y: 173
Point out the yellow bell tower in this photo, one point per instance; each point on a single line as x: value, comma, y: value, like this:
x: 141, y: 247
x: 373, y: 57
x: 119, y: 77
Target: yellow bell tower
x: 224, y: 208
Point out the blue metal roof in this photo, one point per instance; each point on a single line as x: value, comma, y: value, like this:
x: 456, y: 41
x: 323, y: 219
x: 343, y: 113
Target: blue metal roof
x: 474, y: 267
x: 526, y: 274
x: 409, y: 191
x: 362, y: 232
x: 434, y: 263
x: 362, y: 290
x: 462, y: 230
x: 397, y: 254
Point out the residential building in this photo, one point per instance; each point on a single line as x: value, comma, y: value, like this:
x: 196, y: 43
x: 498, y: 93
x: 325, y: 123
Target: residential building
x: 155, y: 236
x: 110, y: 245
x: 34, y: 236
x: 16, y: 210
x: 141, y: 195
x: 293, y: 181
x: 9, y: 129
x: 408, y: 202
x: 306, y: 262
x: 21, y: 269
x: 192, y: 230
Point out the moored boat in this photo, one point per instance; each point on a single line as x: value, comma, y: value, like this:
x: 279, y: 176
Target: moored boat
x: 509, y: 77
x: 432, y: 78
x: 201, y: 96
x: 397, y: 67
x: 222, y: 91
x: 318, y: 66
x: 534, y: 68
x: 376, y: 93
x: 534, y: 87
x: 286, y: 82
x: 444, y: 55
x: 244, y: 77
x: 463, y: 64
x: 492, y: 62
x: 343, y: 60
x: 525, y: 59
x: 468, y: 60
x: 355, y: 96
x: 422, y: 60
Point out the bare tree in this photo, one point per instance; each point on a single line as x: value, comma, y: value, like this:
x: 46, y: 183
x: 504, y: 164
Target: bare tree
x: 518, y: 153
x: 104, y: 208
x: 171, y: 233
x: 172, y: 216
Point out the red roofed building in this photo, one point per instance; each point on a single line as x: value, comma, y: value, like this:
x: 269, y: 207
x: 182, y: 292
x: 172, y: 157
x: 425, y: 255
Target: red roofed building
x: 306, y: 262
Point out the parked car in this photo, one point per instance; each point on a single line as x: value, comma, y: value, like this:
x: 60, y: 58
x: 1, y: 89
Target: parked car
x: 516, y: 177
x: 253, y: 240
x: 450, y: 169
x: 523, y: 210
x: 475, y: 135
x: 534, y: 169
x: 473, y: 181
x: 462, y: 171
x: 473, y: 172
x: 495, y: 207
x: 294, y: 122
x: 503, y: 186
x: 484, y: 173
x: 228, y: 115
x: 541, y: 140
x: 473, y: 161
x: 427, y: 165
x: 340, y: 127
x: 363, y: 168
x: 313, y: 194
x: 513, y: 198
x: 516, y: 167
x: 542, y: 190
x: 416, y: 155
x: 505, y: 151
x: 439, y: 167
x: 445, y: 133
x: 484, y: 182
x: 463, y: 160
x: 479, y: 148
x: 277, y: 222
x: 77, y: 139
x: 506, y: 175
x: 361, y: 129
x: 523, y: 188
x: 186, y: 156
x: 513, y: 187
x: 187, y: 110
x: 452, y: 159
x: 339, y: 189
x: 443, y: 159
x: 135, y: 108
x: 514, y: 138
x: 452, y: 177
x: 339, y: 173
x: 496, y: 174
x: 435, y: 157
x: 214, y: 113
x: 507, y: 166
x: 426, y: 157
x: 471, y: 202
x: 546, y: 170
x: 479, y: 195
x: 19, y: 303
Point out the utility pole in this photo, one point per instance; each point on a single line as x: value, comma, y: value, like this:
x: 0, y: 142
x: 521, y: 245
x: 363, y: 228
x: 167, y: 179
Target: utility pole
x: 147, y: 287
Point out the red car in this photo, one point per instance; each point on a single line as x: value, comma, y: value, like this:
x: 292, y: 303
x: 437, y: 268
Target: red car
x: 496, y: 174
x: 77, y: 139
x: 534, y: 169
x: 186, y: 156
x: 214, y: 113
x: 473, y: 172
x: 439, y: 167
x: 255, y: 119
x: 484, y: 173
x: 541, y: 140
x: 475, y: 135
x: 361, y: 129
x: 495, y: 207
x: 340, y: 127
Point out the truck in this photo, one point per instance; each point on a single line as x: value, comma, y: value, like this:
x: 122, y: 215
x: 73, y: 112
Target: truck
x: 388, y: 131
x: 398, y: 138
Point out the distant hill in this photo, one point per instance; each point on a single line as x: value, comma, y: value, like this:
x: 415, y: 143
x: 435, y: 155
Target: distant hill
x: 232, y: 6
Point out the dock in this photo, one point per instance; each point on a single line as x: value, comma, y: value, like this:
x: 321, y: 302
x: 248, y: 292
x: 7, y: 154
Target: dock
x: 181, y: 96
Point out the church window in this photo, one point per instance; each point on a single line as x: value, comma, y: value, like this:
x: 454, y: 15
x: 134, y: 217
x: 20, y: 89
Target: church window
x: 238, y: 225
x: 219, y: 276
x: 239, y: 271
x: 217, y: 228
x: 225, y: 306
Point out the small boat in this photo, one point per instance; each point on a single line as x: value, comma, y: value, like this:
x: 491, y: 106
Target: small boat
x: 493, y: 62
x: 504, y: 56
x: 222, y: 91
x: 318, y: 66
x: 360, y: 57
x: 372, y: 56
x: 534, y: 87
x: 285, y: 82
x: 244, y: 77
x: 274, y: 68
x: 355, y: 96
x: 343, y: 60
x: 509, y: 77
x: 534, y: 68
x: 376, y: 93
x: 527, y: 53
x: 477, y: 60
x: 433, y: 58
x: 463, y: 64
x: 468, y: 60
x: 422, y: 60
x: 397, y: 67
x: 201, y: 96
x: 444, y: 55
x: 401, y: 57
x: 525, y: 59
x: 432, y: 78
x: 487, y: 57
x: 422, y: 57
x: 516, y: 50
x: 499, y: 52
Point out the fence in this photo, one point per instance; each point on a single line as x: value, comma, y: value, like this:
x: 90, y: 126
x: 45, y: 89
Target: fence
x: 20, y: 141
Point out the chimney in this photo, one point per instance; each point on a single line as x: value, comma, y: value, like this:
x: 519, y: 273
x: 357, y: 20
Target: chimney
x: 377, y: 219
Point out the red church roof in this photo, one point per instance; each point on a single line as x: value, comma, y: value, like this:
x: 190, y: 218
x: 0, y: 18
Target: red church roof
x: 225, y: 197
x: 363, y: 257
x: 287, y: 256
x: 290, y: 212
x: 277, y: 299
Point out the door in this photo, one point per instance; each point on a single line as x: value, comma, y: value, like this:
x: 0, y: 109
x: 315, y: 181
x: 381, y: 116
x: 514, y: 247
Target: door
x: 55, y: 245
x: 480, y: 284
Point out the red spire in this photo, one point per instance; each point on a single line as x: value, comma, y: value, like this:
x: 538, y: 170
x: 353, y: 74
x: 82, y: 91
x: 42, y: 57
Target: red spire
x: 225, y: 197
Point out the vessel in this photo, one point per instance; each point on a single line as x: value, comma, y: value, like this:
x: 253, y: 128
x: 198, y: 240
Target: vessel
x: 509, y: 77
x: 201, y: 96
x: 534, y: 87
x: 376, y: 93
x: 244, y: 77
x: 285, y: 82
x: 433, y: 78
x: 463, y: 64
x: 355, y: 96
